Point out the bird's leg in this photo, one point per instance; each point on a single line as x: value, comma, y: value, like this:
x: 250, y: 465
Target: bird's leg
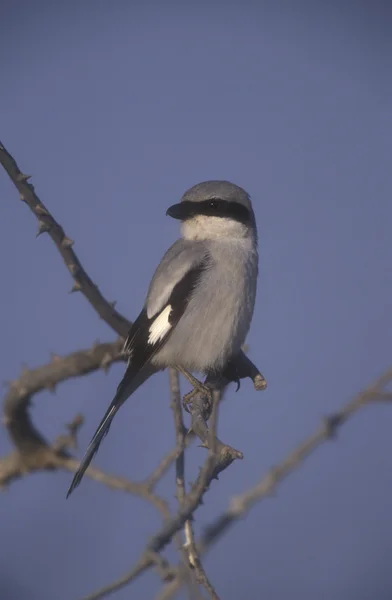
x: 198, y: 388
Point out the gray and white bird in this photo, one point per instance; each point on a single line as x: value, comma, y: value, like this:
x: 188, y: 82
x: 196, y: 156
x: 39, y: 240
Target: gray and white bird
x: 200, y: 302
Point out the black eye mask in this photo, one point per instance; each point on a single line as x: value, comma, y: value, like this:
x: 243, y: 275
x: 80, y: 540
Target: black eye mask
x: 214, y: 207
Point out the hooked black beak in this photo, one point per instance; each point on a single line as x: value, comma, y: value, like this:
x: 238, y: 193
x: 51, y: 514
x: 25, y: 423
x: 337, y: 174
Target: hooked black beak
x: 181, y: 211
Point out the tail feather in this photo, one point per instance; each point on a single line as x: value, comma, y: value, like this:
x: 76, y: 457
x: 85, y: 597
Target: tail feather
x: 93, y: 446
x: 130, y: 382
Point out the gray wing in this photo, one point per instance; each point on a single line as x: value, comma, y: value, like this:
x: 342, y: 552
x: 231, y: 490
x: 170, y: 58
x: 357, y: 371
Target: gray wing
x: 167, y: 298
x: 183, y: 256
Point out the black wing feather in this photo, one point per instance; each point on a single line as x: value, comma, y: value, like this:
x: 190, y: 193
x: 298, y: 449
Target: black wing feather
x: 136, y: 345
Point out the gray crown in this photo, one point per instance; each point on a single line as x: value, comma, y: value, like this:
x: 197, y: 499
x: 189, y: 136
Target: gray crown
x: 217, y: 189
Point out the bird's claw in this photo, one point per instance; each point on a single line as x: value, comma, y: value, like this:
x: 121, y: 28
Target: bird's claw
x: 202, y: 389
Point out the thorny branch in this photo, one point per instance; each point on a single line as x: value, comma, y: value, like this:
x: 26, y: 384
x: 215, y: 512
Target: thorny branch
x: 17, y: 400
x: 192, y: 558
x: 32, y: 452
x: 240, y: 505
x: 47, y: 224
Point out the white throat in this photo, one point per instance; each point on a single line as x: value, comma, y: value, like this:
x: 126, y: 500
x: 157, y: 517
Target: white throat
x: 202, y: 227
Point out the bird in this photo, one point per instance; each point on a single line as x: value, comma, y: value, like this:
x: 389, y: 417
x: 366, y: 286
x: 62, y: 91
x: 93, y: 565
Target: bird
x: 200, y: 302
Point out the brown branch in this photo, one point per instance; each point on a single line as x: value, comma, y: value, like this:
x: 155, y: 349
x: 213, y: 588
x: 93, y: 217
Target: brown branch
x: 328, y: 429
x: 47, y: 457
x: 140, y: 489
x: 47, y: 224
x: 190, y: 544
x: 192, y: 499
x: 33, y: 453
x: 242, y: 504
x: 189, y: 550
x: 21, y: 430
x: 149, y: 559
x: 199, y: 416
x: 180, y: 432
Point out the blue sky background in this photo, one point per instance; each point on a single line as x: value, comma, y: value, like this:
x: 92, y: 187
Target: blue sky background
x: 116, y: 108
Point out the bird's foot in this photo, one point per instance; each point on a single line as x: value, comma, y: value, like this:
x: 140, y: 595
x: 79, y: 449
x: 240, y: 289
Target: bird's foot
x: 199, y: 388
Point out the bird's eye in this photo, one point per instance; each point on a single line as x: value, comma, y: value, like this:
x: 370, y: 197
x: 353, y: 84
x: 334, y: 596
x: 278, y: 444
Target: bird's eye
x: 214, y: 204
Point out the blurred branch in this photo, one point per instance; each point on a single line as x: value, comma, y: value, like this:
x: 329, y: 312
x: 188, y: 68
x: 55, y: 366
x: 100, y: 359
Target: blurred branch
x: 328, y: 429
x: 240, y: 505
x: 33, y: 453
x: 16, y: 419
x: 149, y: 559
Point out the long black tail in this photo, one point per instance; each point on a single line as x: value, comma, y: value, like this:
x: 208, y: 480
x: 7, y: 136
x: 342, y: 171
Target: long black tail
x: 130, y: 382
x: 93, y: 446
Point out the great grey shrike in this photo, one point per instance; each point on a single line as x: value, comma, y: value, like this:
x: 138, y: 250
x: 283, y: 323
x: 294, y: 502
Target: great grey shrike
x: 200, y: 302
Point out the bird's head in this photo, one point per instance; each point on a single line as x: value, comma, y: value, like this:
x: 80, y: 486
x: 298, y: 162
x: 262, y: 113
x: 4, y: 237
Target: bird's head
x: 213, y: 210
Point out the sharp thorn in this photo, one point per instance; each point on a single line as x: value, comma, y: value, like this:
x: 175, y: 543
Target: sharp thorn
x: 75, y: 288
x: 54, y: 357
x: 42, y: 228
x: 113, y: 304
x: 23, y: 177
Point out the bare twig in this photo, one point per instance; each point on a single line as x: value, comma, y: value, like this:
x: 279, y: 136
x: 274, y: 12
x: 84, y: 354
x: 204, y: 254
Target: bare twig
x: 200, y: 413
x: 149, y: 559
x: 140, y: 489
x: 16, y: 402
x: 180, y: 432
x: 46, y: 457
x: 33, y: 453
x: 242, y: 504
x: 47, y: 224
x: 190, y: 545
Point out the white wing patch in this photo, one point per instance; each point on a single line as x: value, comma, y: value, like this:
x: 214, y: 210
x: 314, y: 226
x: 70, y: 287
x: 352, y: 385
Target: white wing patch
x: 160, y: 326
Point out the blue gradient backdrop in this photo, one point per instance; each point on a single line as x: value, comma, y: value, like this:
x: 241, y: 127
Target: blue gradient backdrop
x: 116, y: 108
